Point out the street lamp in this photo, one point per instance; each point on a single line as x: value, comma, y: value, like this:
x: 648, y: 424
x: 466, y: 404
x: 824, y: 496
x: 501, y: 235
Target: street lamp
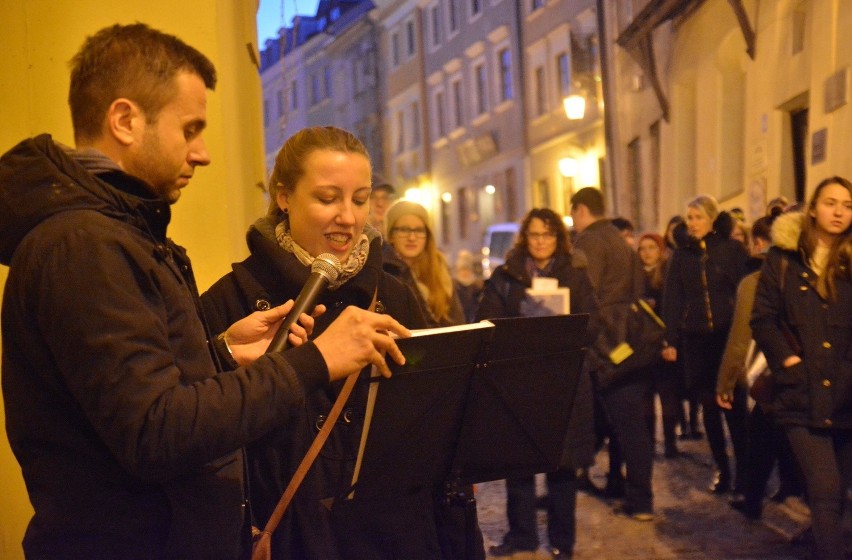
x: 575, y: 106
x: 568, y: 167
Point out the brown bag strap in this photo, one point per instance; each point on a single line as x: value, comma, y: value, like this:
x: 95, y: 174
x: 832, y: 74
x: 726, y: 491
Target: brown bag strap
x: 262, y: 548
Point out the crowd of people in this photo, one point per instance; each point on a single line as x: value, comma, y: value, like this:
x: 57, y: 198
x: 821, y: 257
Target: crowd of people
x: 151, y: 422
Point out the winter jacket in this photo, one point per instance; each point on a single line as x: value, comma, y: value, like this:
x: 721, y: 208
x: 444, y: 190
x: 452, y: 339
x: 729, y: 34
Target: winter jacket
x: 311, y: 529
x: 395, y: 266
x: 732, y: 370
x: 796, y: 320
x: 701, y: 283
x: 617, y: 279
x: 505, y: 296
x: 128, y: 438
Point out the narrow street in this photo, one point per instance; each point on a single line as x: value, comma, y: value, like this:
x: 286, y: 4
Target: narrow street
x: 690, y: 523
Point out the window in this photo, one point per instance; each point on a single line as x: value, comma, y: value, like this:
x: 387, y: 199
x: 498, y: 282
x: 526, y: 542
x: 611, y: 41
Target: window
x: 634, y: 176
x: 294, y: 96
x: 563, y: 71
x: 475, y: 7
x: 435, y: 18
x: 356, y: 77
x: 452, y: 17
x: 505, y: 56
x: 800, y: 15
x: 461, y: 196
x: 281, y: 104
x: 511, y: 195
x: 395, y: 49
x: 415, y: 124
x: 409, y: 37
x: 440, y: 116
x: 327, y: 80
x: 540, y: 97
x: 458, y: 107
x: 541, y: 193
x: 445, y: 221
x: 266, y: 117
x: 400, y: 132
x: 536, y: 4
x: 480, y: 89
x: 315, y: 89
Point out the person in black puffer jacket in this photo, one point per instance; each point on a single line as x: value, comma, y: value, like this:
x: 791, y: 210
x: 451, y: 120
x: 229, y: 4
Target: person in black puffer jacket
x: 802, y: 321
x: 698, y: 306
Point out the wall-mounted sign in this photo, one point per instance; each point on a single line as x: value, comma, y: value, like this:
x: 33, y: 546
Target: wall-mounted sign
x: 819, y: 145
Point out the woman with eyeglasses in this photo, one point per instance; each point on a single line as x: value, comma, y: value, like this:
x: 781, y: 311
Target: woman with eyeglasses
x: 412, y: 256
x: 542, y: 249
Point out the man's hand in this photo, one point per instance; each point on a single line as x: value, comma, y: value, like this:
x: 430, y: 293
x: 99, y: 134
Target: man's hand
x: 249, y: 338
x: 669, y: 354
x: 357, y: 338
x: 725, y: 400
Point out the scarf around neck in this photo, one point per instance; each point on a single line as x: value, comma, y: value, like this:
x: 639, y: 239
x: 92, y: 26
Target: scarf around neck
x: 353, y: 265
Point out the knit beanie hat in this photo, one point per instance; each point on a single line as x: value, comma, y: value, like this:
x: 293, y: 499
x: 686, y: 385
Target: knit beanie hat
x: 402, y: 208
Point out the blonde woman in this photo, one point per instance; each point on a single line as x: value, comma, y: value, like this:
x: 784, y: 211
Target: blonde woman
x: 698, y: 307
x: 412, y: 256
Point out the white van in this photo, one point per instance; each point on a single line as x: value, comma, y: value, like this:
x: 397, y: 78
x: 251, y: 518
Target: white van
x: 499, y: 238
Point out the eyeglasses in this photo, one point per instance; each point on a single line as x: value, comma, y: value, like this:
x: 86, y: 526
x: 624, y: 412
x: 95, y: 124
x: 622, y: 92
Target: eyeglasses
x: 544, y: 236
x: 417, y: 233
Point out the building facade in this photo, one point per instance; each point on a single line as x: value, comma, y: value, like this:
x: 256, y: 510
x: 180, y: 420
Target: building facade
x: 323, y: 70
x: 742, y: 100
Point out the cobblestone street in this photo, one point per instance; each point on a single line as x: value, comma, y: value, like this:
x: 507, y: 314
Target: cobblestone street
x: 690, y: 523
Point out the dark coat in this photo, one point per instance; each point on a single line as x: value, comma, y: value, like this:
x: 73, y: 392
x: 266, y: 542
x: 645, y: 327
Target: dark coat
x: 685, y: 295
x: 617, y: 278
x: 309, y: 530
x: 818, y: 391
x: 128, y: 439
x: 505, y: 296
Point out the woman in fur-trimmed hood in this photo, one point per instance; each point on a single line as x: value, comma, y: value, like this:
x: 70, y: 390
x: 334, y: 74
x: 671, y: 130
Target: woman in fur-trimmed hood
x: 802, y: 320
x: 698, y: 307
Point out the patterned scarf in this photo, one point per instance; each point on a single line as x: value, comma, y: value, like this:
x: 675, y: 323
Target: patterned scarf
x: 350, y: 268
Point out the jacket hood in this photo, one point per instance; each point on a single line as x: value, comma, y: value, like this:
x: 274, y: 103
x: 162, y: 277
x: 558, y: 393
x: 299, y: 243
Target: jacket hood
x: 38, y: 179
x: 786, y: 230
x: 723, y: 225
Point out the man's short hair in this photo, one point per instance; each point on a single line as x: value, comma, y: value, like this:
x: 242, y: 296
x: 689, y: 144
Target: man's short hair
x: 384, y: 187
x: 132, y: 61
x: 622, y: 224
x: 591, y: 198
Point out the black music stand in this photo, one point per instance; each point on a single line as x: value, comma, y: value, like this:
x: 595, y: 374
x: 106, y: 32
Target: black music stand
x: 480, y: 403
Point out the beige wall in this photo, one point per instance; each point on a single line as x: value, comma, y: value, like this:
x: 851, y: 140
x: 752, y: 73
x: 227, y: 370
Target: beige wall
x: 729, y: 133
x: 38, y: 37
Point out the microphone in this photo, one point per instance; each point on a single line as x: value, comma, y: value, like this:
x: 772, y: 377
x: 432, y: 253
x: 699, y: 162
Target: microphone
x: 325, y: 269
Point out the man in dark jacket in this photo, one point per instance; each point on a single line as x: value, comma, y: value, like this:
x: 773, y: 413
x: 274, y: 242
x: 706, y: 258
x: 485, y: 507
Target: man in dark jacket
x: 616, y: 276
x: 127, y: 428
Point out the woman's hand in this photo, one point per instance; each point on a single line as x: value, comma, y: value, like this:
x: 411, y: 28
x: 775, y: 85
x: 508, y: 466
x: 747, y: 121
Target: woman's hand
x: 249, y: 338
x: 358, y: 338
x: 790, y: 361
x: 725, y: 400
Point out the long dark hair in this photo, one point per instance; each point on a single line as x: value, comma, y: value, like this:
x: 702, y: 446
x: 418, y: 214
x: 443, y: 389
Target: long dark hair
x: 808, y: 240
x: 554, y: 223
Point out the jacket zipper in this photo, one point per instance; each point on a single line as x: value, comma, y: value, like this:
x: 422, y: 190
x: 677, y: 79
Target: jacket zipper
x: 704, y: 258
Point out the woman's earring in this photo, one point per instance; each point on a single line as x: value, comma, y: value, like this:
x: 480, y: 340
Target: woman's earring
x: 286, y: 210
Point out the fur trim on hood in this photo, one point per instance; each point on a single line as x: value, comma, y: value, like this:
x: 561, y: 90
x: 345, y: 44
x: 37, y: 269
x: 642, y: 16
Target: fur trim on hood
x: 723, y: 225
x: 786, y: 230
